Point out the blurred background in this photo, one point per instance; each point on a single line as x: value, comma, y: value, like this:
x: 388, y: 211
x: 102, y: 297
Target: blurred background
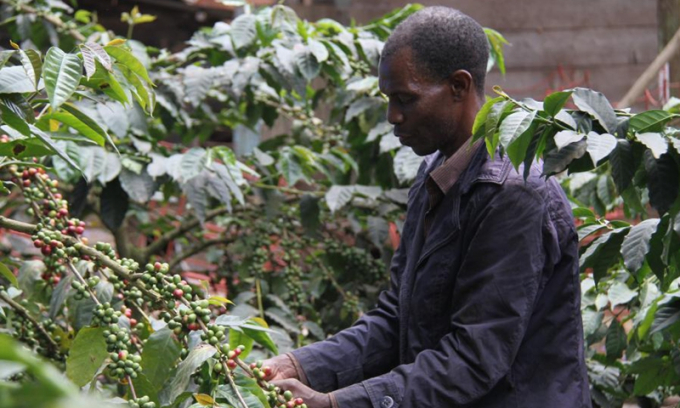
x: 604, y: 44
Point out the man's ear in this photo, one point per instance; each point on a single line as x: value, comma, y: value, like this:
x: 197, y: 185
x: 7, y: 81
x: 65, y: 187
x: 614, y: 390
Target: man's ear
x: 461, y: 84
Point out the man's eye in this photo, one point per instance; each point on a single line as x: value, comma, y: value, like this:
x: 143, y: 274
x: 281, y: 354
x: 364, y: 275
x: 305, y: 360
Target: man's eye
x: 404, y: 98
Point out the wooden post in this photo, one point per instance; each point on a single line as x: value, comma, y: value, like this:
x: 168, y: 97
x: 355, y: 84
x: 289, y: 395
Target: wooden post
x: 668, y: 12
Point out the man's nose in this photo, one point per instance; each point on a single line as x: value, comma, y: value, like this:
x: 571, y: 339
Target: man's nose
x: 394, y: 116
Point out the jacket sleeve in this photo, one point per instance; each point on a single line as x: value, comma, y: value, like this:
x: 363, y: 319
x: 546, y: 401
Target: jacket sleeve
x: 493, y: 299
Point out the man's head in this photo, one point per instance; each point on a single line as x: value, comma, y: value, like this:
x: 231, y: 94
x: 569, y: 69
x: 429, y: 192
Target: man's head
x: 433, y: 68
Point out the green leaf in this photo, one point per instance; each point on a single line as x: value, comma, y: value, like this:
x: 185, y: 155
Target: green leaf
x: 47, y: 140
x: 197, y: 194
x: 5, y: 55
x: 588, y: 230
x: 32, y: 63
x: 309, y: 214
x: 140, y: 187
x: 261, y: 337
x: 7, y: 274
x: 307, y: 63
x: 616, y: 340
x: 192, y: 163
x: 496, y: 43
x: 622, y: 164
x: 592, y: 319
x: 62, y: 74
x: 59, y: 295
x: 250, y: 385
x: 226, y: 175
x: 554, y: 102
x: 125, y: 57
x: 160, y: 354
x: 567, y: 137
x: 114, y: 204
x: 237, y: 337
x: 482, y: 115
x: 648, y: 382
x: 655, y: 142
x: 14, y: 121
x: 665, y: 317
x: 663, y: 181
x: 111, y: 168
x: 185, y: 370
x: 600, y: 146
x: 86, y: 355
x: 597, y: 105
x: 243, y: 30
x: 406, y: 164
x: 636, y: 244
x: 649, y: 121
x: 289, y: 166
x: 517, y: 151
x: 15, y: 80
x: 144, y: 95
x: 20, y: 106
x: 227, y: 393
x: 556, y: 161
x: 82, y: 128
x: 603, y: 253
x: 493, y: 118
x: 514, y: 126
x: 619, y: 293
x: 104, y: 81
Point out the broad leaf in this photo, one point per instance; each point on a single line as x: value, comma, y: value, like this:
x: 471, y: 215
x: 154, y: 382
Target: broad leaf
x: 655, y: 142
x: 62, y: 73
x: 185, y: 370
x: 596, y: 105
x: 47, y: 140
x: 16, y: 122
x: 82, y: 128
x: 196, y: 191
x: 59, y: 295
x: 15, y: 80
x: 160, y: 354
x: 603, y: 252
x: 665, y: 317
x: 649, y: 121
x: 114, y: 204
x: 567, y: 137
x: 32, y: 63
x: 556, y: 161
x: 619, y: 293
x: 554, y: 102
x: 622, y: 164
x: 192, y: 163
x: 636, y: 244
x: 514, y: 126
x: 227, y: 393
x: 616, y: 340
x: 86, y: 355
x: 307, y: 63
x: 481, y: 117
x: 309, y: 214
x: 663, y: 181
x: 111, y: 168
x: 125, y: 57
x: 406, y: 164
x: 243, y: 30
x: 600, y: 146
x: 140, y: 187
x: 7, y: 274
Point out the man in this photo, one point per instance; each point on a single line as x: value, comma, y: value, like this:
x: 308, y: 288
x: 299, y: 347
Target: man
x: 483, y: 308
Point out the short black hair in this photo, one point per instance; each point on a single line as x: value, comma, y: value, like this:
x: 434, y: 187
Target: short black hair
x: 443, y: 40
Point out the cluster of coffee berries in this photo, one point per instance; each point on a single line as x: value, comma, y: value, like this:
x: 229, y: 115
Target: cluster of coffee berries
x: 188, y: 319
x: 124, y: 364
x: 104, y: 314
x: 231, y: 355
x: 214, y: 335
x: 143, y: 402
x: 83, y: 290
x: 106, y: 249
x: 286, y: 399
x: 260, y: 372
x: 357, y: 262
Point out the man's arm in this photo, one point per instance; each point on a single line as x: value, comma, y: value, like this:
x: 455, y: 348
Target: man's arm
x: 493, y: 299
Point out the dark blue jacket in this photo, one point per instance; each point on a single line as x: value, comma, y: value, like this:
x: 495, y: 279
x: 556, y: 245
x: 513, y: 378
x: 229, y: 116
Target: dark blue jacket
x: 484, y: 312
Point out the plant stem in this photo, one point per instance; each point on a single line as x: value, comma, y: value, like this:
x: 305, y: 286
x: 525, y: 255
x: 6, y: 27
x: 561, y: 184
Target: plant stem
x: 233, y: 385
x: 83, y: 282
x: 132, y: 387
x: 258, y: 291
x: 56, y: 21
x: 197, y: 249
x: 129, y: 31
x: 23, y: 312
x: 288, y: 189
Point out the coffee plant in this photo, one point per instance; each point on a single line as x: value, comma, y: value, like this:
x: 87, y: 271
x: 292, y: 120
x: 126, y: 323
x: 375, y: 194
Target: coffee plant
x: 299, y: 226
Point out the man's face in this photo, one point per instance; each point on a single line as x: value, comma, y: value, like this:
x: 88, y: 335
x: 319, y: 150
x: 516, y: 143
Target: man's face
x: 424, y: 111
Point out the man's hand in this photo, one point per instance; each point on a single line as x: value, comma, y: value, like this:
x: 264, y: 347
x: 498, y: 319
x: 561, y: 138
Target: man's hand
x: 311, y: 398
x: 282, y: 368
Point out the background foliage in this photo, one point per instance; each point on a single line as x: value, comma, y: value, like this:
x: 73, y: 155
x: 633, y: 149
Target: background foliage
x: 299, y: 227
